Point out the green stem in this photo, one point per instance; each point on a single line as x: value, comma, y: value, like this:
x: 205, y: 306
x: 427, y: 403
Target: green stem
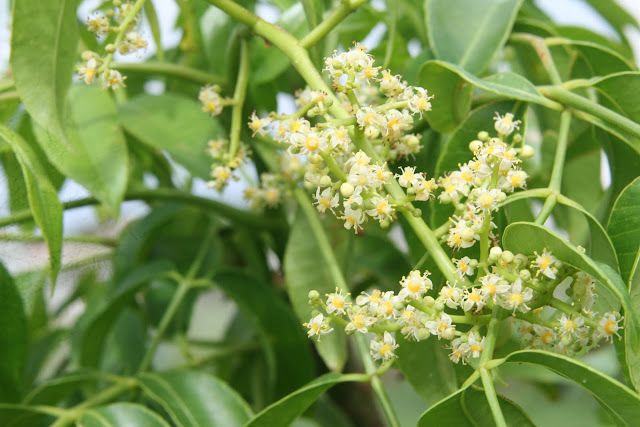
x: 236, y: 215
x: 174, y: 305
x: 558, y: 167
x: 319, y: 32
x: 123, y: 28
x: 492, y: 397
x: 170, y: 69
x: 583, y: 104
x: 95, y: 240
x: 238, y: 99
x: 541, y: 48
x: 376, y: 382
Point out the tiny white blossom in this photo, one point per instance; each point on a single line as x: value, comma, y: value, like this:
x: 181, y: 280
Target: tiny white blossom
x: 505, y: 125
x: 383, y: 347
x: 317, y: 326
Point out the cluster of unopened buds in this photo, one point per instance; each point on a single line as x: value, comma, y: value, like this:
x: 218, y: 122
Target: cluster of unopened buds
x: 123, y: 19
x: 522, y: 286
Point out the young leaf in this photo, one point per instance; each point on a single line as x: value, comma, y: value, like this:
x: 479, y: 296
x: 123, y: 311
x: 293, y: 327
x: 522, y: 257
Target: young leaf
x: 43, y: 52
x: 624, y: 228
x: 94, y: 153
x: 469, y: 32
x: 304, y: 271
x: 522, y: 237
x: 14, y: 339
x: 175, y: 124
x: 43, y: 198
x: 622, y: 403
x: 287, y: 409
x: 285, y: 343
x: 120, y: 414
x: 194, y: 399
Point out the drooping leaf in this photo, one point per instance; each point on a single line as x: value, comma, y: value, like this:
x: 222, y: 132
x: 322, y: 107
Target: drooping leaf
x: 287, y: 409
x: 469, y: 32
x: 195, y: 399
x: 94, y: 152
x: 58, y: 389
x: 622, y: 403
x: 624, y: 228
x: 43, y: 198
x: 285, y: 343
x: 18, y: 415
x: 427, y: 367
x: 521, y: 237
x: 120, y: 414
x: 14, y: 339
x: 303, y: 273
x: 175, y: 124
x: 43, y: 53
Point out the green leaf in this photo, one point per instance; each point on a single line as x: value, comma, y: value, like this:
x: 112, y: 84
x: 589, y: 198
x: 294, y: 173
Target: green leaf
x: 287, y: 409
x: 303, y: 272
x: 283, y: 339
x: 58, y: 389
x: 624, y: 228
x: 94, y: 154
x: 13, y: 415
x: 93, y: 337
x: 622, y: 403
x: 14, y: 338
x: 469, y: 32
x: 120, y: 414
x: 616, y: 15
x: 43, y: 198
x: 468, y: 407
x: 43, y: 52
x: 173, y: 123
x: 601, y: 60
x: 427, y: 367
x: 196, y: 399
x: 628, y: 354
x: 522, y: 237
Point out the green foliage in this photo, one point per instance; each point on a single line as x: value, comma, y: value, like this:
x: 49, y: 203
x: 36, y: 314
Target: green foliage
x: 192, y: 313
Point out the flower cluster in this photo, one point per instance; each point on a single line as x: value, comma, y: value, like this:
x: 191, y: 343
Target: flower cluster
x: 124, y: 20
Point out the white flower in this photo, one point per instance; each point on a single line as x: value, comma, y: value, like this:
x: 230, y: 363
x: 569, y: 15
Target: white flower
x: 336, y: 302
x: 505, y: 125
x: 486, y: 200
x: 394, y: 123
x: 326, y: 199
x: 473, y: 300
x: 317, y: 326
x: 211, y: 101
x: 220, y: 175
x: 609, y: 325
x: 516, y: 299
x: 382, y: 209
x: 259, y: 125
x: 386, y: 307
x: 414, y: 285
x: 88, y: 71
x: 475, y: 346
x: 112, y: 79
x: 99, y: 25
x: 464, y: 267
x: 383, y: 347
x: 545, y: 336
x: 353, y: 218
x: 359, y: 321
x: 409, y: 177
x: 451, y: 295
x: 418, y: 100
x: 459, y: 351
x: 544, y: 263
x: 490, y: 287
x: 441, y: 327
x: 391, y: 85
x: 570, y: 326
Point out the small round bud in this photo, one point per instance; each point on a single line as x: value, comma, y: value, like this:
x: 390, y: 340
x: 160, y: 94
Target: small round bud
x: 325, y: 181
x: 467, y: 234
x: 423, y: 334
x: 492, y: 258
x: 371, y: 132
x: 428, y: 301
x: 294, y: 150
x: 445, y: 199
x: 520, y: 260
x: 438, y: 306
x: 110, y: 48
x: 473, y: 263
x: 501, y: 197
x: 337, y: 64
x: 417, y: 213
x: 558, y: 264
x: 495, y: 141
x: 566, y: 340
x: 314, y: 295
x: 525, y: 275
x: 347, y: 189
x: 412, y: 141
x: 475, y: 146
x: 398, y: 305
x: 496, y: 250
x: 507, y: 257
x: 314, y: 158
x: 569, y: 292
x: 483, y: 135
x: 385, y: 223
x: 464, y: 338
x: 87, y: 55
x: 309, y: 186
x: 527, y: 152
x: 517, y: 138
x: 449, y: 333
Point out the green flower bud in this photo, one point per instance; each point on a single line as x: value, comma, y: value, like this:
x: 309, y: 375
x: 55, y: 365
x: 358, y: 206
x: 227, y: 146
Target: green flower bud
x: 507, y: 257
x: 347, y: 189
x: 517, y: 138
x: 527, y: 152
x: 428, y: 301
x: 417, y: 213
x: 525, y: 275
x: 314, y: 295
x: 475, y: 146
x: 483, y: 135
x: 325, y: 181
x: 438, y: 306
x: 423, y: 334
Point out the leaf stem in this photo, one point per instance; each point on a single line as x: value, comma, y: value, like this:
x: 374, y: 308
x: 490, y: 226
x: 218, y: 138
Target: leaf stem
x: 485, y: 357
x: 238, y: 99
x: 492, y: 397
x: 122, y: 30
x: 318, y: 33
x: 170, y: 69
